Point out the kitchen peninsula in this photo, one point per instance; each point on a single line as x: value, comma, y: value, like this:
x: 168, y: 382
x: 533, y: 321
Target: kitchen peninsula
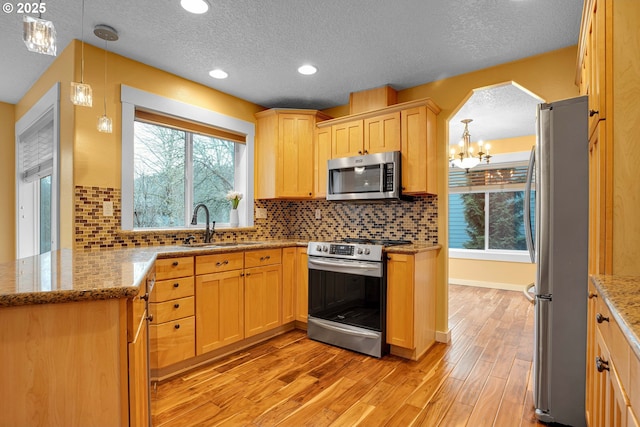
x: 74, y: 328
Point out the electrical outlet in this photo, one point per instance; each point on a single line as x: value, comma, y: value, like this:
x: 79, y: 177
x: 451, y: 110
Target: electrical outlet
x: 318, y: 214
x: 107, y: 208
x: 261, y: 213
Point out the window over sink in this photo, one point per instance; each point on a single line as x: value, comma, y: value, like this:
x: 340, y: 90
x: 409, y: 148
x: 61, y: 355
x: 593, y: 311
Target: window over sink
x: 177, y: 155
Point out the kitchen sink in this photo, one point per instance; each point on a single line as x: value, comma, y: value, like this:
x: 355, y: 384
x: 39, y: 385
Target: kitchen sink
x: 220, y: 244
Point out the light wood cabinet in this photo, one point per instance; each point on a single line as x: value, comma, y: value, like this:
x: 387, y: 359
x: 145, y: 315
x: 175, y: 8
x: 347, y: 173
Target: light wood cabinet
x: 608, y: 70
x: 302, y: 286
x: 289, y: 277
x: 172, y: 330
x: 411, y: 303
x: 263, y: 293
x: 322, y: 155
x: 347, y: 139
x: 219, y: 310
x: 284, y: 153
x: 419, y: 156
x: 382, y: 133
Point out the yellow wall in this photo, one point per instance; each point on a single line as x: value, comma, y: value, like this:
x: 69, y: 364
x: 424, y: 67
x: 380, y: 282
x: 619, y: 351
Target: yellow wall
x: 493, y: 274
x: 7, y: 182
x: 511, y: 145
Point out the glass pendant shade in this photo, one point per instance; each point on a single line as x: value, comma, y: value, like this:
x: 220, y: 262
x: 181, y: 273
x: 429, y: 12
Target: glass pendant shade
x: 81, y: 94
x: 105, y: 124
x: 466, y: 162
x: 39, y: 35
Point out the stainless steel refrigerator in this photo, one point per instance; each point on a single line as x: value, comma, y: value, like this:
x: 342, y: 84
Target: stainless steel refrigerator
x: 557, y: 239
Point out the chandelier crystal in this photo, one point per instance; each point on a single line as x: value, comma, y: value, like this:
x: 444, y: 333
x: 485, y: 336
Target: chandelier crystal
x: 465, y: 159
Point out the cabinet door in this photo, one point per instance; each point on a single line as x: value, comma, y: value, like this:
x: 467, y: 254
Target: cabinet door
x: 600, y: 196
x: 288, y: 284
x: 172, y: 342
x: 400, y: 300
x: 595, y: 62
x: 262, y: 306
x: 347, y: 139
x: 419, y: 162
x: 323, y: 153
x: 139, y: 377
x: 219, y: 310
x: 382, y: 133
x: 591, y: 402
x: 302, y: 286
x: 295, y: 155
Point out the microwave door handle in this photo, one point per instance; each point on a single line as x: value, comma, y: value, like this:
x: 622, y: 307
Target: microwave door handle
x: 383, y: 168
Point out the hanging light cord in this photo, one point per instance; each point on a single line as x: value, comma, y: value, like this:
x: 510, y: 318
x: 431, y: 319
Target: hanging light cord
x: 82, y: 45
x: 105, y: 77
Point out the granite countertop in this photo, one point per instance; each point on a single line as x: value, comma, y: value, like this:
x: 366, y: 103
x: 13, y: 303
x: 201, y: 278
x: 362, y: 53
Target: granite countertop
x: 621, y: 294
x: 74, y: 275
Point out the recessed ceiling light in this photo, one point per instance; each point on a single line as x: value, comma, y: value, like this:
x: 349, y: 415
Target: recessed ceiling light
x: 218, y: 74
x: 195, y: 6
x: 307, y: 70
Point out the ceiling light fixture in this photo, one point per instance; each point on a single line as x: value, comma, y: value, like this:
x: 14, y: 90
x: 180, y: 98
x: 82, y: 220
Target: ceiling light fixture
x: 107, y: 34
x: 465, y: 159
x: 195, y: 6
x: 39, y: 35
x: 218, y: 74
x: 81, y: 93
x: 307, y: 69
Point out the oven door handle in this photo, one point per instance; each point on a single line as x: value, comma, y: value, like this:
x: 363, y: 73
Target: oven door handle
x: 333, y: 264
x: 328, y: 325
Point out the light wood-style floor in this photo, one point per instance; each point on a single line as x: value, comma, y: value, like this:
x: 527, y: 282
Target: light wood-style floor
x: 482, y: 378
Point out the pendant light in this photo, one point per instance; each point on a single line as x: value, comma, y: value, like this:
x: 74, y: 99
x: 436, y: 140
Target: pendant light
x: 39, y: 35
x: 108, y: 34
x: 465, y: 158
x: 81, y: 93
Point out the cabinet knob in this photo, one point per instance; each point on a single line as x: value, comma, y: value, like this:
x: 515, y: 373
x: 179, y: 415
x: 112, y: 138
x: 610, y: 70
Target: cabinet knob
x: 601, y: 364
x: 366, y: 151
x: 593, y: 112
x: 359, y: 152
x: 600, y: 318
x: 175, y: 263
x: 176, y: 305
x: 150, y: 318
x: 145, y: 297
x: 593, y: 295
x: 176, y: 285
x: 247, y: 274
x: 177, y: 326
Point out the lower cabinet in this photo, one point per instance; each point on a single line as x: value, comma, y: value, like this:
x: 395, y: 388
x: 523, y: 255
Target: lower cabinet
x: 411, y: 303
x: 139, y: 377
x: 302, y: 285
x: 263, y: 291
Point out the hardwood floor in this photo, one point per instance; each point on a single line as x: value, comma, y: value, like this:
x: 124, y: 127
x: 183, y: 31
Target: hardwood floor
x: 482, y: 378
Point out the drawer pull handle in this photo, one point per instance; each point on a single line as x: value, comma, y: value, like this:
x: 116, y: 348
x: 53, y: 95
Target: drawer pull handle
x: 593, y: 112
x: 177, y: 326
x: 593, y: 295
x: 176, y: 285
x: 264, y: 258
x: 600, y: 318
x: 176, y: 305
x: 145, y: 297
x: 175, y: 263
x: 601, y: 364
x: 150, y: 318
x: 219, y: 264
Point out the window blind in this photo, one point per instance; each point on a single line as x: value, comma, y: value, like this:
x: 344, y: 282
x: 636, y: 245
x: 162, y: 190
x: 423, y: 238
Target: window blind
x: 36, y: 151
x: 188, y: 126
x: 487, y: 178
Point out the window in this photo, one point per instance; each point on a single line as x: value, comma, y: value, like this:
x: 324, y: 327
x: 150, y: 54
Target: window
x: 486, y: 212
x: 176, y: 156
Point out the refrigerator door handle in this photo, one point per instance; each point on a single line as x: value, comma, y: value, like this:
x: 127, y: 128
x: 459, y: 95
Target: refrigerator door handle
x: 527, y: 206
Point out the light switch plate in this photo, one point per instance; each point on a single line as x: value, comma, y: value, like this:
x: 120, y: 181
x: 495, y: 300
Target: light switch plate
x: 107, y: 208
x: 261, y: 213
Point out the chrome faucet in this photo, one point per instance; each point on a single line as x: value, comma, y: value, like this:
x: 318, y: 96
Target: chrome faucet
x: 208, y: 232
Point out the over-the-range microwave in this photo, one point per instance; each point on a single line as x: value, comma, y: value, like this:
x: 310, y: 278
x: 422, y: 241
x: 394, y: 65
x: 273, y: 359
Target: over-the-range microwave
x: 367, y: 177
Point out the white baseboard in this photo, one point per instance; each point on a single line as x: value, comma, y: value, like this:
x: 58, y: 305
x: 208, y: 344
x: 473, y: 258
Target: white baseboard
x: 443, y: 336
x: 494, y: 285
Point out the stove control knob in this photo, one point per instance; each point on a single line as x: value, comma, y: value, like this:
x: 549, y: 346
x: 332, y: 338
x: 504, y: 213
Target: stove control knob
x: 325, y: 248
x: 359, y: 251
x: 319, y: 248
x: 367, y: 251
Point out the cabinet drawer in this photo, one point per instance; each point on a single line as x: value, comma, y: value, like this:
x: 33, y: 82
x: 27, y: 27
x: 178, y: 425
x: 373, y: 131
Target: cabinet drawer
x: 172, y: 310
x: 262, y: 257
x: 206, y: 264
x: 615, y: 341
x: 172, y: 342
x: 166, y: 290
x: 171, y: 268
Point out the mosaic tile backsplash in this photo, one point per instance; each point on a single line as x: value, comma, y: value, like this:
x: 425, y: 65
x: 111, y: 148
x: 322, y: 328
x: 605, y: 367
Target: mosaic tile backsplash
x: 411, y: 220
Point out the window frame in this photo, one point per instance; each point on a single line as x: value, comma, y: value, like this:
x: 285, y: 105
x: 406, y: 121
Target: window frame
x: 486, y: 254
x: 133, y: 98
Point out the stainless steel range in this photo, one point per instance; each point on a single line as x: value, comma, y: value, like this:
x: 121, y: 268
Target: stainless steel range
x: 347, y: 294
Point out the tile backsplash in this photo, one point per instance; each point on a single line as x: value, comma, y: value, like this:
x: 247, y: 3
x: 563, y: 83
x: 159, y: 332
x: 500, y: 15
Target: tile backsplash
x: 411, y: 220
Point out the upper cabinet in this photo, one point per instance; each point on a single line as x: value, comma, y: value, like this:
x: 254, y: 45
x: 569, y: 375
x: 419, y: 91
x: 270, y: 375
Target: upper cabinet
x: 284, y: 153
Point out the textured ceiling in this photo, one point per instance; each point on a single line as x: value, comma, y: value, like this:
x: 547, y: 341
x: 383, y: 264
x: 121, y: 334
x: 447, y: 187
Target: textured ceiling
x: 356, y: 44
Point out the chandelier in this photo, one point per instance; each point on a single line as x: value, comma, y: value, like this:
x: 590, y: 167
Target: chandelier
x: 465, y: 159
x: 39, y: 35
